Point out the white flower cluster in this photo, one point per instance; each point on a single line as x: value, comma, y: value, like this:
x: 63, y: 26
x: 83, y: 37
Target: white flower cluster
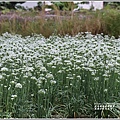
x: 4, y: 69
x: 13, y: 97
x: 18, y: 85
x: 41, y: 91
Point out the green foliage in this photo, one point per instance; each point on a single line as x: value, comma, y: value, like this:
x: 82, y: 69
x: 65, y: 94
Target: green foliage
x: 84, y: 2
x: 39, y: 6
x: 65, y: 5
x: 112, y: 5
x: 111, y: 22
x: 5, y: 10
x: 59, y: 5
x: 8, y: 5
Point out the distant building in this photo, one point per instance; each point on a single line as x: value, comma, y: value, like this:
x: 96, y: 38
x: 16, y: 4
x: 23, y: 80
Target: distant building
x: 32, y: 4
x: 28, y: 4
x: 89, y: 4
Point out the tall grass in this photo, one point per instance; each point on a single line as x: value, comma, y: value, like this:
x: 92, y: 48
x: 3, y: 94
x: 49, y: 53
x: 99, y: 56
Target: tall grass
x: 110, y: 20
x: 104, y: 21
x: 58, y: 76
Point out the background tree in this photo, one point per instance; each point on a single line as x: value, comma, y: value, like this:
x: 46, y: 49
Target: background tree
x: 114, y: 5
x: 39, y: 6
x: 8, y: 5
x: 65, y: 5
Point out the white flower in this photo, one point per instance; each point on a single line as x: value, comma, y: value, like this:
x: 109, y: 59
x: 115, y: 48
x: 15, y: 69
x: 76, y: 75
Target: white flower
x: 68, y: 62
x: 12, y: 82
x: 33, y: 78
x: 4, y: 69
x: 105, y: 75
x: 79, y: 76
x: 49, y: 64
x: 42, y: 91
x: 54, y: 67
x: 96, y: 78
x: 43, y: 69
x: 60, y: 71
x: 25, y: 76
x: 9, y: 88
x: 53, y: 82
x: 32, y: 95
x: 105, y: 90
x: 66, y: 86
x: 78, y: 61
x: 29, y: 73
x: 18, y: 85
x: 13, y: 74
x: 29, y: 68
x: 117, y: 81
x: 13, y: 96
x: 1, y: 76
x: 39, y: 85
x: 49, y: 75
x: 71, y: 84
x: 83, y: 80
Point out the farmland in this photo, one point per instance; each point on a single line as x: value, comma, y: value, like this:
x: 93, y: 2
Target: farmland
x: 58, y: 76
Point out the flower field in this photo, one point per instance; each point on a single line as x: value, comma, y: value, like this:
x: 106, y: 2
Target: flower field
x: 58, y: 76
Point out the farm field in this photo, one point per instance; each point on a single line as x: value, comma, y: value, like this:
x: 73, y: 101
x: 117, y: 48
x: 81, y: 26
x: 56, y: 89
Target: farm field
x: 59, y: 76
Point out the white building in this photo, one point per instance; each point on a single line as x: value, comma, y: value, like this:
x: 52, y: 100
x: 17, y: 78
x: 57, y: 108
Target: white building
x: 32, y: 4
x: 87, y: 5
x: 28, y: 4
